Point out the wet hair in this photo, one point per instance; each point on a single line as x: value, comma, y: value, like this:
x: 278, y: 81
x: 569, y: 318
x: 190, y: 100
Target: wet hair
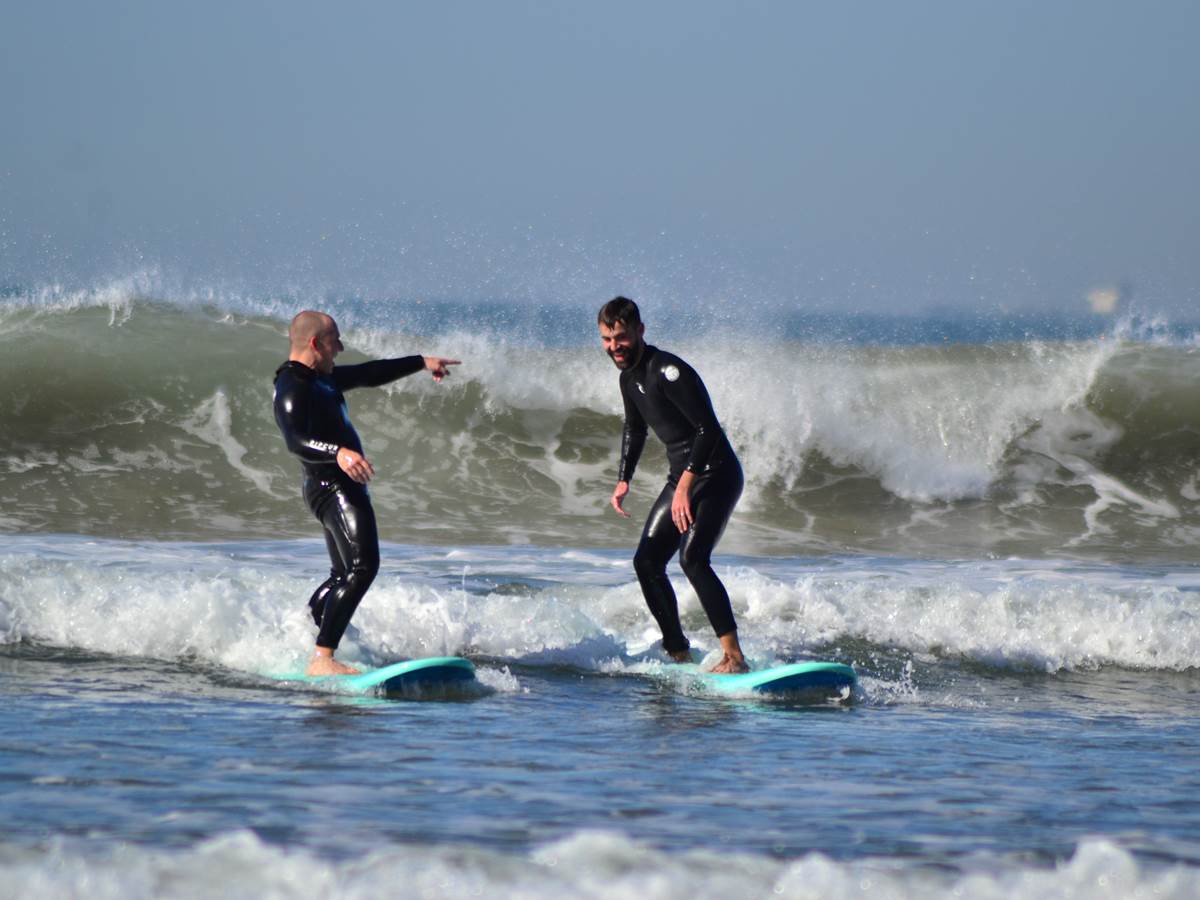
x: 620, y: 309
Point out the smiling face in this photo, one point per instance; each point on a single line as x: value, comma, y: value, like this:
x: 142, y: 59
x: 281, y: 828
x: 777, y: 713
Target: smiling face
x: 623, y: 346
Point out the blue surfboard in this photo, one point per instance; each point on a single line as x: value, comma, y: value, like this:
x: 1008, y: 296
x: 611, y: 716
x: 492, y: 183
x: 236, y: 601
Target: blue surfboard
x: 412, y: 675
x: 805, y: 678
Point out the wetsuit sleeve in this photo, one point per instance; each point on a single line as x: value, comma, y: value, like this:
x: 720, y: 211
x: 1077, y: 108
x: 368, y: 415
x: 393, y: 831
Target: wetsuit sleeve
x: 633, y: 438
x: 294, y: 415
x: 690, y: 398
x: 376, y: 372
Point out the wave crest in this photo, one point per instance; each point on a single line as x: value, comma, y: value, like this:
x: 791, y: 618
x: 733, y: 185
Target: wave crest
x: 157, y: 421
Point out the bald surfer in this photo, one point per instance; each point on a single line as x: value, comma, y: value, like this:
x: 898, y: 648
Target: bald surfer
x: 663, y: 393
x: 311, y: 411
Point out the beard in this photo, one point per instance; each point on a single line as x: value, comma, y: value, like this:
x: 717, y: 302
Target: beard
x: 629, y: 356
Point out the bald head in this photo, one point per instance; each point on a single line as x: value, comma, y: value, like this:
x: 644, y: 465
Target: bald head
x: 315, y: 340
x: 306, y: 326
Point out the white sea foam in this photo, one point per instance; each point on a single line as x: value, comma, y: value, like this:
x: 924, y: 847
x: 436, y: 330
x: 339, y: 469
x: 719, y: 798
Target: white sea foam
x: 117, y: 295
x: 245, y: 609
x: 211, y: 422
x: 120, y: 294
x: 1153, y: 328
x: 588, y: 864
x: 927, y: 425
x: 511, y: 368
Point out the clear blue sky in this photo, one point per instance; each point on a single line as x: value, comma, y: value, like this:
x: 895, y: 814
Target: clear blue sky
x: 851, y: 155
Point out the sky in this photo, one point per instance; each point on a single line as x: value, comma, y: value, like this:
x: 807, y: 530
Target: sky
x: 854, y: 156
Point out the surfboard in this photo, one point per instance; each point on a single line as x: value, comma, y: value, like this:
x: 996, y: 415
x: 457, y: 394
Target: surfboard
x: 397, y: 678
x: 807, y: 678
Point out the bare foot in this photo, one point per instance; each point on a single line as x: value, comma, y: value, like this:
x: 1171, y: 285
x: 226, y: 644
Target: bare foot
x: 327, y: 665
x: 730, y: 665
x: 680, y: 656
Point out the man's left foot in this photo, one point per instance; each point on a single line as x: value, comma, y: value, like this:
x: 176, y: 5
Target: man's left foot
x: 730, y: 666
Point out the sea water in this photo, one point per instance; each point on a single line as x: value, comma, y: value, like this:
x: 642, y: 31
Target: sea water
x: 994, y: 521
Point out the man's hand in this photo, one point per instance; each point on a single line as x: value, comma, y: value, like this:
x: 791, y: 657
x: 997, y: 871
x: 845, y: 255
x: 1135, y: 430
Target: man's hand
x: 681, y: 503
x: 440, y: 367
x: 355, y: 465
x: 618, y: 497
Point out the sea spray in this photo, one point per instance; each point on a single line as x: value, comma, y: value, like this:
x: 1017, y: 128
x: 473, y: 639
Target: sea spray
x: 157, y: 423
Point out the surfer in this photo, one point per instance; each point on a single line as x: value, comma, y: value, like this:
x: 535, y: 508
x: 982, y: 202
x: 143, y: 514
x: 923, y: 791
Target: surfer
x: 663, y: 392
x: 310, y: 410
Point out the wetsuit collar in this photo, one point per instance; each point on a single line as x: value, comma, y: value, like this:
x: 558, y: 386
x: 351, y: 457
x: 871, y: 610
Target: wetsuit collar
x: 646, y: 348
x: 647, y: 352
x: 638, y: 363
x: 297, y: 368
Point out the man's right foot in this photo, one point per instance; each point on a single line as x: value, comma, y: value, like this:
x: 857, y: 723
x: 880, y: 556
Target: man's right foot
x: 730, y: 665
x: 680, y: 656
x: 327, y: 665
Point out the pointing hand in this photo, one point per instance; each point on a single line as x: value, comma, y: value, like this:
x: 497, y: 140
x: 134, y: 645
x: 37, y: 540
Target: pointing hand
x: 440, y: 367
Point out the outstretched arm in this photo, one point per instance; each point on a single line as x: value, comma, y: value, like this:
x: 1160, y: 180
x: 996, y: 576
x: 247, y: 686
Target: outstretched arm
x: 378, y: 372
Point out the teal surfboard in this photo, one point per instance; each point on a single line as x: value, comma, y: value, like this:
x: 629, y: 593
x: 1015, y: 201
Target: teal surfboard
x: 411, y: 675
x: 807, y: 678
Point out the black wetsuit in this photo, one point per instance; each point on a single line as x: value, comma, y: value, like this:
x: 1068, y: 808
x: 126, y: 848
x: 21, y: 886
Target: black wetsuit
x: 664, y: 393
x: 311, y: 412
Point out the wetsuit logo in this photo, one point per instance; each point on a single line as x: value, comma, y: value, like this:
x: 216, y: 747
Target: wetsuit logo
x: 671, y: 373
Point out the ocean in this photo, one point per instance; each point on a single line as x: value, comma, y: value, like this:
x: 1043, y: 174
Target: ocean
x: 994, y: 518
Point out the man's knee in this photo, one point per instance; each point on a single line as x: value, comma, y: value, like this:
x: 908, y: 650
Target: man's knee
x: 695, y: 563
x: 364, y: 570
x: 369, y: 568
x: 647, y: 565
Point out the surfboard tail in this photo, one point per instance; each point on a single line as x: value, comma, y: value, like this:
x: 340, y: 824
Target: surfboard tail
x: 434, y: 675
x: 818, y: 680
